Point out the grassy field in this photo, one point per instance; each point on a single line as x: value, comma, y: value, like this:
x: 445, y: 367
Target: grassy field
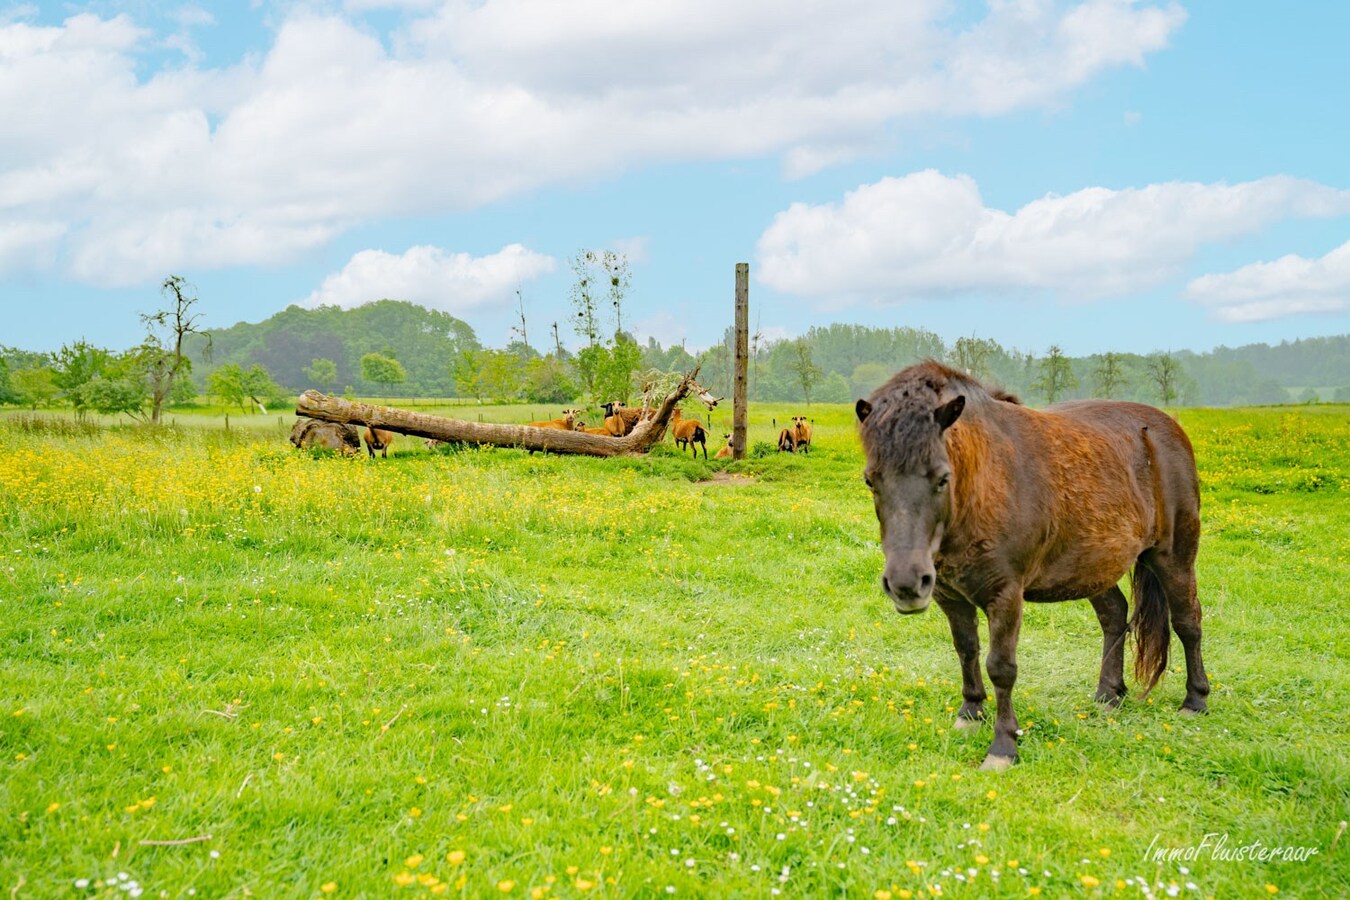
x: 234, y: 669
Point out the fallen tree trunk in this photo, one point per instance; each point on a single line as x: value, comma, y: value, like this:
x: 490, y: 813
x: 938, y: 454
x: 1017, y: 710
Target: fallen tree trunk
x: 647, y: 432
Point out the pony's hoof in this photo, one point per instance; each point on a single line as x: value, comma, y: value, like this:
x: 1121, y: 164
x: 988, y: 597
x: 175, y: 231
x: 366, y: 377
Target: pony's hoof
x: 964, y: 724
x: 994, y: 763
x: 1188, y: 712
x: 1110, y: 701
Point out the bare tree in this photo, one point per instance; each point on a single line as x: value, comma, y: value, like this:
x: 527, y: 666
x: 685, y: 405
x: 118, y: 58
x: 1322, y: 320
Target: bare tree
x: 163, y: 357
x: 520, y: 313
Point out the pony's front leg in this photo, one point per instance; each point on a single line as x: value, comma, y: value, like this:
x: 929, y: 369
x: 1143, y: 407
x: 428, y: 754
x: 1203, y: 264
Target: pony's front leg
x: 966, y: 638
x: 1005, y: 622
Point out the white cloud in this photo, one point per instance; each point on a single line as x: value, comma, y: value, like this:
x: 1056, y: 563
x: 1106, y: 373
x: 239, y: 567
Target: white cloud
x: 17, y: 11
x: 453, y: 282
x: 634, y: 249
x: 27, y: 245
x: 467, y: 103
x: 668, y: 328
x: 929, y: 234
x: 1268, y: 290
x: 773, y: 334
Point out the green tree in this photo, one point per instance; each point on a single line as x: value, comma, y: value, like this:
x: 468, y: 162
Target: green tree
x: 1108, y: 374
x: 499, y: 375
x: 36, y: 387
x: 466, y: 369
x: 614, y: 368
x: 806, y: 372
x: 378, y: 368
x: 1056, y: 375
x: 8, y: 394
x: 547, y: 381
x: 233, y: 385
x: 605, y: 368
x: 1165, y: 373
x: 869, y: 376
x: 122, y: 388
x: 184, y: 390
x: 323, y: 372
x: 972, y: 355
x: 834, y: 389
x: 75, y: 366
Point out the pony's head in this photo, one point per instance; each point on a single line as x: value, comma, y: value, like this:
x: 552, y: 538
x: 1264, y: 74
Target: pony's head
x: 909, y: 474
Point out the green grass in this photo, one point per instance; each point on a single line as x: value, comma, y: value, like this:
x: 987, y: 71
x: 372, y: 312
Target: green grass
x: 622, y: 677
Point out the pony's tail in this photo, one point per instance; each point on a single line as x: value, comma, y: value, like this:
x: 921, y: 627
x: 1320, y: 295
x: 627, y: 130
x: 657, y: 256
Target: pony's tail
x: 1150, y: 627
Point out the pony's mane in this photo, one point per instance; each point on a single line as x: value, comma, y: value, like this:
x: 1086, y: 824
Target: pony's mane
x: 901, y: 431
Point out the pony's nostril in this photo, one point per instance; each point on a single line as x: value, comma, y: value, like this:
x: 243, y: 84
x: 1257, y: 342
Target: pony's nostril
x: 925, y: 582
x: 885, y: 584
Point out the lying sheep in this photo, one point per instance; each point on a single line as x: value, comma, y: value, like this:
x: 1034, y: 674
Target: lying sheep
x: 726, y: 452
x: 563, y: 424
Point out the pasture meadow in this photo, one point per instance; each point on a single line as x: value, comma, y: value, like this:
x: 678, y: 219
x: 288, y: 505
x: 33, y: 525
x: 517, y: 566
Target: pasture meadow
x: 236, y: 669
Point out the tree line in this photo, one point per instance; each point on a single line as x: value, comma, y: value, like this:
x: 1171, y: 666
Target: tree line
x: 397, y: 349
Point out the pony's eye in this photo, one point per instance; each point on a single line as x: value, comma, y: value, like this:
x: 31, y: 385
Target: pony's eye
x: 943, y: 482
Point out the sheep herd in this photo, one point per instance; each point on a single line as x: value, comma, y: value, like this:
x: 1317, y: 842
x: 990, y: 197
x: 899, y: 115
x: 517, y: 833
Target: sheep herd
x: 617, y: 421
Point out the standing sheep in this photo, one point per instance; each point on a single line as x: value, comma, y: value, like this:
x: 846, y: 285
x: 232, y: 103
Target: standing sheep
x: 801, y: 433
x: 378, y: 439
x: 688, y: 432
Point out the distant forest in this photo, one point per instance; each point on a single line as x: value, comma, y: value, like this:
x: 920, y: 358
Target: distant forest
x: 398, y: 349
x: 841, y: 362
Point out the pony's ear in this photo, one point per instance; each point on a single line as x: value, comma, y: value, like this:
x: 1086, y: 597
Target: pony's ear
x: 949, y: 412
x: 864, y: 409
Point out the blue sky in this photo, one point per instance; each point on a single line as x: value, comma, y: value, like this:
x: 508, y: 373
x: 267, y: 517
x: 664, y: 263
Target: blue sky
x: 1098, y: 175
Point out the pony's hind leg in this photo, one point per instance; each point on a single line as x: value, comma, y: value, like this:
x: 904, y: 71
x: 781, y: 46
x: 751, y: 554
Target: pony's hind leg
x: 1178, y: 583
x: 966, y: 638
x: 1113, y: 614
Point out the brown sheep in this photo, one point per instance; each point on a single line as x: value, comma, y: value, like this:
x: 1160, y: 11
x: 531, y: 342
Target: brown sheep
x: 787, y: 442
x: 563, y: 424
x: 726, y: 452
x: 801, y: 433
x: 630, y: 416
x: 688, y: 432
x: 378, y: 439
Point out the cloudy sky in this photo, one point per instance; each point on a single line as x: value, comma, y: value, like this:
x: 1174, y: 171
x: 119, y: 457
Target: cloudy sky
x: 1098, y: 174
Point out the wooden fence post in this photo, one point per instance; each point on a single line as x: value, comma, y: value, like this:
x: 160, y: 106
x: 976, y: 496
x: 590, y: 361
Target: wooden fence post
x: 738, y: 400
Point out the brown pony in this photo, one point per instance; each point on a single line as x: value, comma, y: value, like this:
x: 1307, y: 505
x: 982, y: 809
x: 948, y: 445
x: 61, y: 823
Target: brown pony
x: 984, y: 503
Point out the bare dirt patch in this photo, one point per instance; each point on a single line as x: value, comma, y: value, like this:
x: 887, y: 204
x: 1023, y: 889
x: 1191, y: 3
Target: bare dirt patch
x: 729, y: 479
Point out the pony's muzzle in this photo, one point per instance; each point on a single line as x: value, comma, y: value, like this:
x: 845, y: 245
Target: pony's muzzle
x: 910, y: 594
